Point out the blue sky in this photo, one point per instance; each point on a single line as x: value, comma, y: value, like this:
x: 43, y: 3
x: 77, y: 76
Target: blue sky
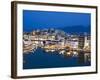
x: 47, y: 19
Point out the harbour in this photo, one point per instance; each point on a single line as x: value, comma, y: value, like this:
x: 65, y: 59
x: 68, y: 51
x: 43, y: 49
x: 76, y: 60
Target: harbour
x: 54, y: 48
x: 42, y: 59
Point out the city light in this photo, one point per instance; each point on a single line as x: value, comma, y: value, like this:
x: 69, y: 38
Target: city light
x: 56, y: 40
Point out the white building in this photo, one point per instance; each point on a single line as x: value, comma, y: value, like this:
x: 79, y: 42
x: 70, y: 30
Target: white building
x: 87, y: 42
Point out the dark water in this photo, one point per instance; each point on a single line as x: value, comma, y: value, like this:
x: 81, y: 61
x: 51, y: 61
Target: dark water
x: 41, y: 59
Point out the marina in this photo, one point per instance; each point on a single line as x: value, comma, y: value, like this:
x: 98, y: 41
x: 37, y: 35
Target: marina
x: 43, y: 59
x: 43, y: 49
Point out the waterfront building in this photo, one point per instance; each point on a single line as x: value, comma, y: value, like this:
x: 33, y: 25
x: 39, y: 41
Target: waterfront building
x: 87, y: 42
x: 26, y: 37
x: 74, y: 44
x: 81, y: 41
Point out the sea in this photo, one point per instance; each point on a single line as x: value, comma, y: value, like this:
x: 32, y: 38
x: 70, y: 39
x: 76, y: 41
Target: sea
x: 40, y: 59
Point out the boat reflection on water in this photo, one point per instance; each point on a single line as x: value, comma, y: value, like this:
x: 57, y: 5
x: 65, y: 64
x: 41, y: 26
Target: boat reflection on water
x: 52, y: 58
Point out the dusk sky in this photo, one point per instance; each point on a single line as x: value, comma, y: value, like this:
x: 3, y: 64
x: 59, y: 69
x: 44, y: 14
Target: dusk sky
x: 47, y: 19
